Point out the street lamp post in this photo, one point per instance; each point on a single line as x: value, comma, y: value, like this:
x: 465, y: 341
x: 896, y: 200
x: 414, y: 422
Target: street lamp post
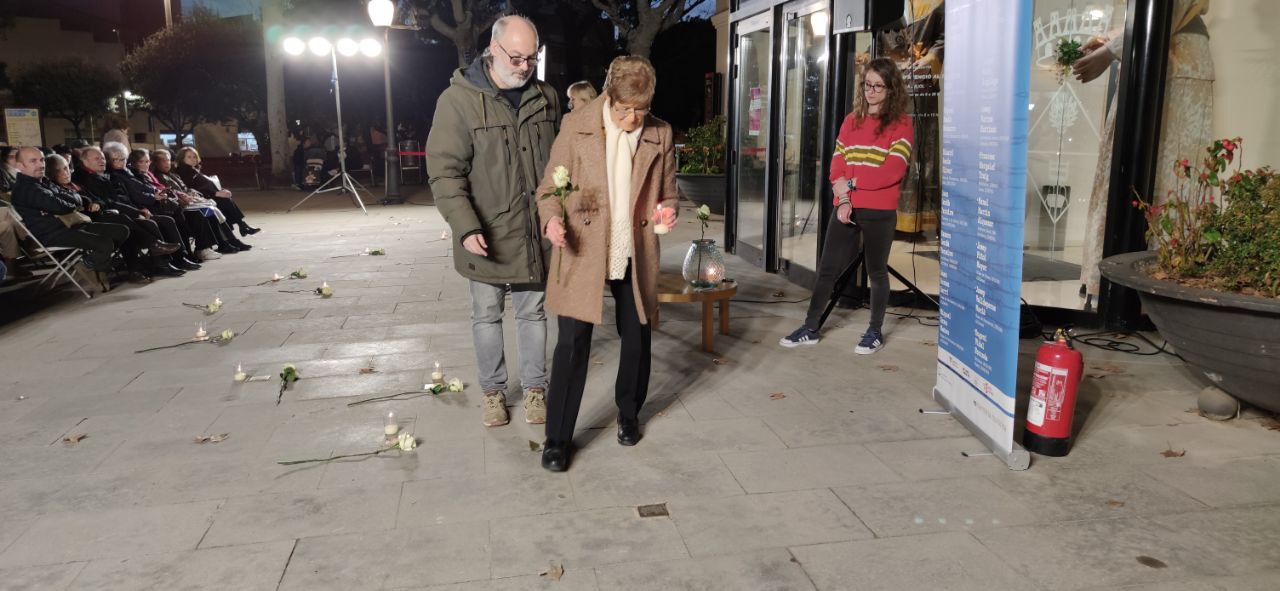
x: 382, y: 13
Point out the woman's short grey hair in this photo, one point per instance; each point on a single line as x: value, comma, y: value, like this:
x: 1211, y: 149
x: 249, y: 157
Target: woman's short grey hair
x: 156, y: 153
x: 55, y: 162
x: 115, y: 150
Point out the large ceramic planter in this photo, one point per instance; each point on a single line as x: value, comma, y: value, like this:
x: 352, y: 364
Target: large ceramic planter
x: 1233, y: 339
x: 704, y: 189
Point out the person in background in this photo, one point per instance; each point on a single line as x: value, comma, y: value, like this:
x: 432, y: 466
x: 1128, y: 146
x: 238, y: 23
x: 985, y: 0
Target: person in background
x: 116, y: 129
x: 299, y: 161
x: 8, y: 168
x: 189, y: 170
x: 580, y: 95
x: 873, y: 149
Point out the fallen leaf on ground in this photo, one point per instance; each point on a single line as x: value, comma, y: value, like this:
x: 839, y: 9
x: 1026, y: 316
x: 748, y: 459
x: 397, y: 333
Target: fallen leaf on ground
x: 777, y: 396
x: 553, y: 572
x: 73, y: 439
x: 219, y: 438
x: 719, y: 361
x: 534, y: 445
x: 1151, y: 562
x: 888, y: 368
x: 1173, y: 453
x: 930, y: 343
x: 662, y: 413
x: 1114, y: 504
x: 368, y: 370
x: 655, y: 510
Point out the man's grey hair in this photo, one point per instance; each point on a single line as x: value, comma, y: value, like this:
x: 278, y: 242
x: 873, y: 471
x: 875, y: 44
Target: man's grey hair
x: 115, y: 150
x: 500, y: 27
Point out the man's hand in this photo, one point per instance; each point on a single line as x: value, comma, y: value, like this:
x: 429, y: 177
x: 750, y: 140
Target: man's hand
x: 223, y: 193
x: 555, y: 232
x: 146, y: 214
x: 94, y: 207
x: 844, y: 213
x: 476, y: 245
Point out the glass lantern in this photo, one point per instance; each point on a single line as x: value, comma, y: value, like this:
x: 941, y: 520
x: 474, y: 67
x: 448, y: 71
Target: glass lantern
x: 704, y: 264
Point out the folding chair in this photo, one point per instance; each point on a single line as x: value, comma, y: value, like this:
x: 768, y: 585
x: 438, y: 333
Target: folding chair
x: 64, y: 259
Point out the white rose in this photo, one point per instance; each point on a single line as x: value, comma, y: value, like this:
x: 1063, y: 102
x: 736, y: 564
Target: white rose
x: 661, y: 228
x: 407, y: 441
x: 560, y: 177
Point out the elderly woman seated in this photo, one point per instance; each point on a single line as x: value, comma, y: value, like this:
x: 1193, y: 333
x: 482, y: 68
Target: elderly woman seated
x: 133, y: 193
x: 164, y: 175
x: 190, y: 172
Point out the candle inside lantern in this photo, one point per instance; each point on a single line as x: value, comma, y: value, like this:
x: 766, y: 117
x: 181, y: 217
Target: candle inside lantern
x: 240, y: 375
x: 392, y: 427
x: 200, y: 333
x: 276, y: 277
x: 324, y: 284
x: 437, y: 374
x: 217, y: 300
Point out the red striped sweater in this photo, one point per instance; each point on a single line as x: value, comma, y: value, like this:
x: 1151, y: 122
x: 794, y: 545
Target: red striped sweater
x: 875, y: 162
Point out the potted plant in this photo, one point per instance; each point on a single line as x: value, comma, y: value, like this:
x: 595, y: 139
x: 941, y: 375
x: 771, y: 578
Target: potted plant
x: 701, y: 174
x: 1211, y: 284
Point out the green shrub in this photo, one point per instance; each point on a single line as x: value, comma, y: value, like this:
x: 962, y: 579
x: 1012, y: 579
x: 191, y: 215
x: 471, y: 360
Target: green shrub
x: 704, y: 152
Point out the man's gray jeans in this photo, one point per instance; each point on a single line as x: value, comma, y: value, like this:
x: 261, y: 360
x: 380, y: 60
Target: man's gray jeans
x: 488, y: 303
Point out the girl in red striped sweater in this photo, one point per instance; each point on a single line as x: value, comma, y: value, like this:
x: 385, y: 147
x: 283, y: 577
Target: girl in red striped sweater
x: 870, y: 161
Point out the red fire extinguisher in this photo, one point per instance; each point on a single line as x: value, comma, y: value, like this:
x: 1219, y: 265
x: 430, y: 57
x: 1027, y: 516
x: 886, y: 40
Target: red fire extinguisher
x: 1053, y: 397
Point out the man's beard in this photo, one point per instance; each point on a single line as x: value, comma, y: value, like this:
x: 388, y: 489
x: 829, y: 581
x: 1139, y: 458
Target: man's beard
x: 514, y: 79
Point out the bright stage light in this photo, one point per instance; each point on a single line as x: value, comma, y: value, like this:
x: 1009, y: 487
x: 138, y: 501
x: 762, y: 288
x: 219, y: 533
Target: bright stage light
x: 294, y: 46
x: 348, y: 46
x: 320, y: 46
x: 370, y: 47
x: 381, y: 12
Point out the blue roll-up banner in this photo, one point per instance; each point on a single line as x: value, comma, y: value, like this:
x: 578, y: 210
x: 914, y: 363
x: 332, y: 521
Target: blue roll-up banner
x: 984, y: 166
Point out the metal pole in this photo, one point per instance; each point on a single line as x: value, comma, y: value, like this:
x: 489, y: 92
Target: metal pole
x: 168, y: 13
x: 392, y: 151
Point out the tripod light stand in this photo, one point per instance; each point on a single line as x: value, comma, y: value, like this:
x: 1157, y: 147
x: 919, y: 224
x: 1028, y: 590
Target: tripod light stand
x: 321, y: 46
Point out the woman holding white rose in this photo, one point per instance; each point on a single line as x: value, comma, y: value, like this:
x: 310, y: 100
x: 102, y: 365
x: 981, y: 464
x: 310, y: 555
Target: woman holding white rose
x: 610, y: 178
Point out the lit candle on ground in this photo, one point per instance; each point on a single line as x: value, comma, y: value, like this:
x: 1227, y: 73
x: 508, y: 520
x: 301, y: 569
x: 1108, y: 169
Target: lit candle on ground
x: 437, y: 374
x: 324, y: 285
x: 240, y: 375
x: 276, y: 277
x: 392, y: 426
x: 217, y: 301
x: 200, y: 333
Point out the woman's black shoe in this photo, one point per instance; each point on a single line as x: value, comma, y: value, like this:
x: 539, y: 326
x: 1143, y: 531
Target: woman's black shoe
x: 628, y: 431
x: 227, y: 249
x: 247, y: 230
x: 240, y: 245
x: 192, y: 262
x: 555, y: 458
x: 184, y: 264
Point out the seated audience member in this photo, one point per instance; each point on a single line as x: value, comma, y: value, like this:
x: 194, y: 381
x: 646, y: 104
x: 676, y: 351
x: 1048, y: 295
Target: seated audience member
x: 92, y: 181
x: 10, y: 241
x: 40, y: 206
x: 148, y: 199
x: 300, y: 162
x: 117, y: 156
x: 164, y: 174
x: 8, y: 168
x: 189, y: 171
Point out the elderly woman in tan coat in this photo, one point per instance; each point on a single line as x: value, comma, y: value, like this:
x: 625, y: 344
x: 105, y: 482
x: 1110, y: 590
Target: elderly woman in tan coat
x: 622, y: 169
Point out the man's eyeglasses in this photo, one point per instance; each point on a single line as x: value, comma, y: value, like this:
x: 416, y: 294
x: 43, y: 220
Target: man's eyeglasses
x: 629, y: 111
x: 870, y: 87
x: 519, y: 61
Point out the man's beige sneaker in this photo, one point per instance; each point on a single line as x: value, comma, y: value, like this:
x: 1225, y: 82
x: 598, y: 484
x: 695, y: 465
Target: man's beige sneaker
x: 535, y: 406
x: 495, y: 409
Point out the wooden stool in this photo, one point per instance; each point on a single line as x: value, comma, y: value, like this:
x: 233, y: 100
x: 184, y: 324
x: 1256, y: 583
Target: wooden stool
x: 673, y: 288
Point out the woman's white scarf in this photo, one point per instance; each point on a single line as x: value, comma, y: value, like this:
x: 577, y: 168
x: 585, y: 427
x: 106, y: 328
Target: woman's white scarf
x: 619, y: 147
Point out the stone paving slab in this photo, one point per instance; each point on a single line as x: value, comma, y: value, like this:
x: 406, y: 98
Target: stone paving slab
x: 838, y: 483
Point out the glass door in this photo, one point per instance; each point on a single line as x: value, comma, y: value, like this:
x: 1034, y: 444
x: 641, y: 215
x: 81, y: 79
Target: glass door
x: 804, y: 100
x: 751, y: 133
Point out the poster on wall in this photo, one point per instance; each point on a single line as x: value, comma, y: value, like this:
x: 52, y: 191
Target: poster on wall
x: 984, y: 157
x: 22, y: 127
